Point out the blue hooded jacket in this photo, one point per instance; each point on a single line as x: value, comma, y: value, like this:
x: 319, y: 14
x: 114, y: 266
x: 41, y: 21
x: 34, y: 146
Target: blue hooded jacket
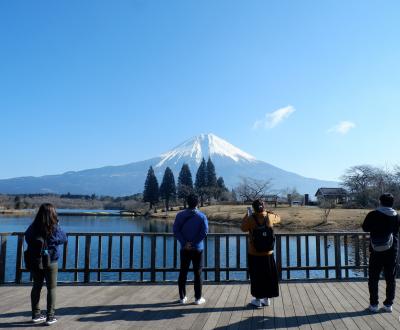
x: 191, y: 225
x: 53, y: 241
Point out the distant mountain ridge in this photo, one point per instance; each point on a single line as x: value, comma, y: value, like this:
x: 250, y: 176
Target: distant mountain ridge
x: 230, y: 162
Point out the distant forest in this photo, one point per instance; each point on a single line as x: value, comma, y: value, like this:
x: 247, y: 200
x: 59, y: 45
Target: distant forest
x: 71, y: 201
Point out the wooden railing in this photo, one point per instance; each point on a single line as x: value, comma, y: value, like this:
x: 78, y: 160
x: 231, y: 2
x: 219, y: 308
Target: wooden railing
x: 154, y: 257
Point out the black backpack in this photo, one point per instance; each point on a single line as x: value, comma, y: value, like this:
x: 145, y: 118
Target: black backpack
x: 263, y: 236
x: 36, y: 256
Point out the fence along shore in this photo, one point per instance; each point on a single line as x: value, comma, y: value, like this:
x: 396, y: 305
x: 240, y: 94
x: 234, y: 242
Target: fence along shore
x: 154, y: 257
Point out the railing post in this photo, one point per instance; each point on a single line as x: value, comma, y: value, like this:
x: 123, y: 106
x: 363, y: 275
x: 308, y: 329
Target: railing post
x: 3, y: 253
x: 217, y: 258
x: 18, y: 261
x: 76, y: 262
x: 86, y: 275
x: 153, y: 259
x: 338, y: 257
x: 279, y: 255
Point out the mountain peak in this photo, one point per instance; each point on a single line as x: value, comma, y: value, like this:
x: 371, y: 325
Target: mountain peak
x: 204, y: 146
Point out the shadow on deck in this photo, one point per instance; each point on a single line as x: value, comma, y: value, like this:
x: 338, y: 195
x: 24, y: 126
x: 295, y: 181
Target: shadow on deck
x: 310, y: 305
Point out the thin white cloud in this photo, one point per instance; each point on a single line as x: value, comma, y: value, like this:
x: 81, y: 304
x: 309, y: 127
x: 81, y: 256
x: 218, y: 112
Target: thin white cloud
x: 272, y: 119
x: 342, y: 128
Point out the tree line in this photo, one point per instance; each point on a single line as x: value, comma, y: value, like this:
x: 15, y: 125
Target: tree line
x: 206, y: 185
x: 365, y: 183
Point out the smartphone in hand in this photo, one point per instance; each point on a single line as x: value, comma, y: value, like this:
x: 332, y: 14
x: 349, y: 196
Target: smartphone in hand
x: 249, y: 211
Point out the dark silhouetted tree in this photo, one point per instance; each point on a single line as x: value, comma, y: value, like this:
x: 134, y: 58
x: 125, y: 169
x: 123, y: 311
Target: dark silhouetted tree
x: 211, y: 179
x: 221, y: 188
x: 185, y: 183
x: 168, y: 188
x: 151, y: 190
x: 201, y: 181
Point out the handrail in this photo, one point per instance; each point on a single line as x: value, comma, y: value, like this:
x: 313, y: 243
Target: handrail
x: 154, y: 257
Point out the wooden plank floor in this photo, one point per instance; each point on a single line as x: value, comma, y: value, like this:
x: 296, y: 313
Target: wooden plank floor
x: 307, y: 305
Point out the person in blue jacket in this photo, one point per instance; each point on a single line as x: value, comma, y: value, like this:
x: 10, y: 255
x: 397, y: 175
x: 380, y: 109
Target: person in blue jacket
x: 190, y: 229
x: 45, y: 229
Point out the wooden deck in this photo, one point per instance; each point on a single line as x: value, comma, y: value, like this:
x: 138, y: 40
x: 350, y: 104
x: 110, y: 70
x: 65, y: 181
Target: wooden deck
x: 309, y: 305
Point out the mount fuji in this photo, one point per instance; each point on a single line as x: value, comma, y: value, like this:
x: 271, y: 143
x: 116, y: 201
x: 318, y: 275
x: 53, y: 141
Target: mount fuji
x: 230, y: 162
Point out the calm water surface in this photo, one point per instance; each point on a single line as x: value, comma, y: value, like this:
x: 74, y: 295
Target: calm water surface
x: 87, y: 224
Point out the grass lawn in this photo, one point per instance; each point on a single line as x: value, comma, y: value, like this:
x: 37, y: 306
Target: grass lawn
x: 295, y: 218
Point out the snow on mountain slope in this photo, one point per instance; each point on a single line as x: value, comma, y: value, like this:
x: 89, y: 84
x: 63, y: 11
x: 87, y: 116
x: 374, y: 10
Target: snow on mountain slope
x: 204, y: 146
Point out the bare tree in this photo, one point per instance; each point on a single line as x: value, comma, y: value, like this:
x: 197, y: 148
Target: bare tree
x: 250, y: 189
x: 366, y: 183
x: 326, y: 205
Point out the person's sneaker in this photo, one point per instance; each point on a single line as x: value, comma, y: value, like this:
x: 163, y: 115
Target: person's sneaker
x: 51, y: 320
x: 199, y: 301
x: 373, y: 308
x: 38, y: 318
x: 183, y: 300
x: 266, y: 301
x: 387, y: 308
x: 256, y: 302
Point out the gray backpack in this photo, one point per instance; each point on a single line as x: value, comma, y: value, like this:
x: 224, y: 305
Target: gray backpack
x: 382, y: 243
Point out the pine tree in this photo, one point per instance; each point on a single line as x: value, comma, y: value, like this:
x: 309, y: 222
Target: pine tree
x: 201, y: 181
x: 211, y: 179
x: 185, y: 183
x: 221, y: 184
x: 221, y: 188
x: 168, y: 188
x: 151, y: 190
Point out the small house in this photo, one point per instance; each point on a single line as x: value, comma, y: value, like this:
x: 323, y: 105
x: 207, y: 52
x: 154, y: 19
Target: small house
x: 338, y: 195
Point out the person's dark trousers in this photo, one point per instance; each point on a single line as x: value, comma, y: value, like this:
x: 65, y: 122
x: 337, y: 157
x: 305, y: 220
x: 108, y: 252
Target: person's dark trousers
x: 263, y: 276
x: 50, y: 275
x: 385, y: 260
x: 187, y: 257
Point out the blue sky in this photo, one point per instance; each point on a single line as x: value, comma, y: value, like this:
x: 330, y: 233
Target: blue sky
x: 309, y: 86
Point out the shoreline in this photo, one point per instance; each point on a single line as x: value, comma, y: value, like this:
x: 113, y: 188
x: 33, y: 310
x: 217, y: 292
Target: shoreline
x: 294, y: 219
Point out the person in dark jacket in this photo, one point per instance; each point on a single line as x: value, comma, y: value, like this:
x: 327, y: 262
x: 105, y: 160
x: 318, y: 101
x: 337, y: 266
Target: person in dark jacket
x: 45, y: 229
x: 190, y: 229
x: 383, y: 225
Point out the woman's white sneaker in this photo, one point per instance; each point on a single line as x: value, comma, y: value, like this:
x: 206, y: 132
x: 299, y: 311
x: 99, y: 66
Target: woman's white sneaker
x: 51, y: 320
x: 256, y: 302
x: 183, y: 300
x: 200, y: 301
x: 38, y: 318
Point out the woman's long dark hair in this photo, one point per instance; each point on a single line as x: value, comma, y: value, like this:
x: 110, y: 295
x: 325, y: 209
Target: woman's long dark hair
x: 46, y: 220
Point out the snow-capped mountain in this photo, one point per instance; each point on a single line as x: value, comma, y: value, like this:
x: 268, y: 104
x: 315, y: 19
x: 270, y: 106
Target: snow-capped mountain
x: 230, y: 162
x: 204, y: 146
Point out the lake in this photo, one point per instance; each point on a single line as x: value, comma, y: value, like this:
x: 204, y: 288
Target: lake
x: 85, y: 224
x: 116, y: 224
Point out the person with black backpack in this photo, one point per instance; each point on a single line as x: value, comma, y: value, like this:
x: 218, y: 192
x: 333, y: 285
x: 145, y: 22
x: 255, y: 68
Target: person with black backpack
x: 383, y: 225
x: 43, y: 237
x: 262, y: 268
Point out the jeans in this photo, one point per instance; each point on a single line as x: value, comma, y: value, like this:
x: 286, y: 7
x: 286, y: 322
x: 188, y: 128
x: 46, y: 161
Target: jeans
x: 50, y: 274
x: 385, y: 260
x: 196, y: 257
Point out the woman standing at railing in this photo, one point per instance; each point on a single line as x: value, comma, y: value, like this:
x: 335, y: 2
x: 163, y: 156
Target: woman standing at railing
x: 262, y: 267
x: 45, y: 235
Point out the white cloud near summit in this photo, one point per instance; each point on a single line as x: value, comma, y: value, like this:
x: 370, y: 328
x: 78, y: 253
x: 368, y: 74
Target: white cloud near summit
x: 272, y: 119
x: 342, y: 128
